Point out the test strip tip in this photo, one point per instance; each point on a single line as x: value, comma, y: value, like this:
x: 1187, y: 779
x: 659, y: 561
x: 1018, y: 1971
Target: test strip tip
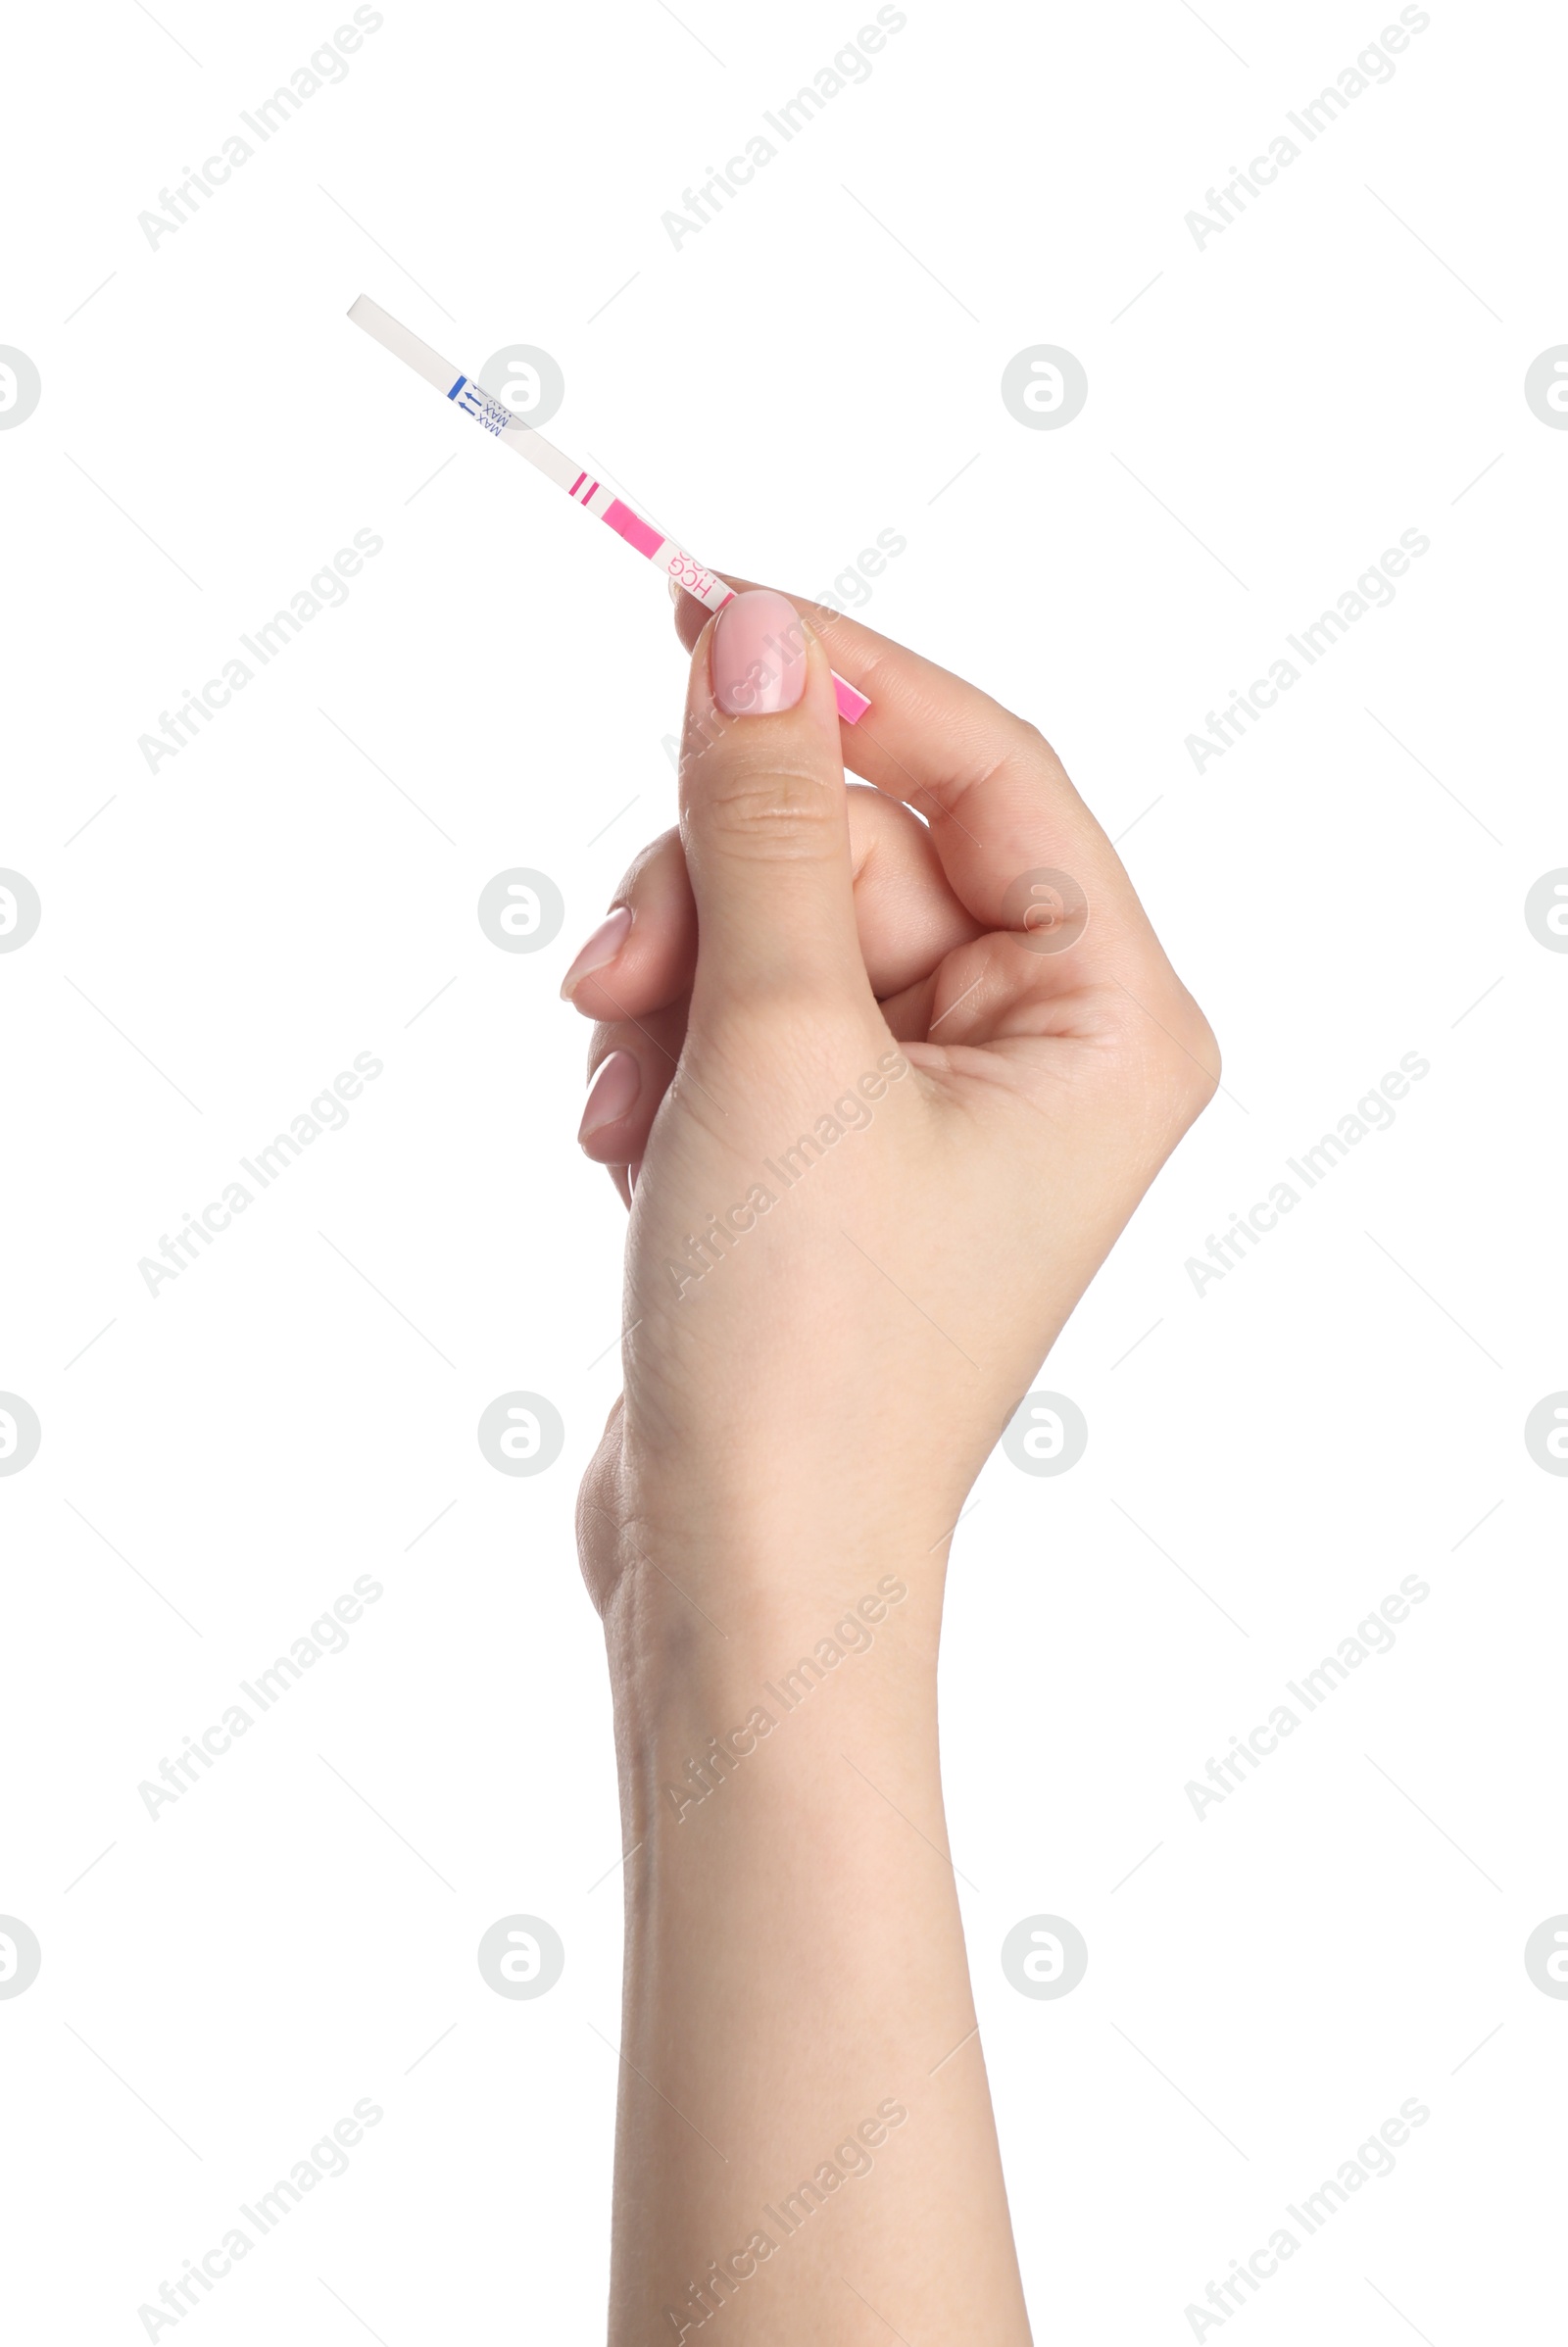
x: 853, y: 705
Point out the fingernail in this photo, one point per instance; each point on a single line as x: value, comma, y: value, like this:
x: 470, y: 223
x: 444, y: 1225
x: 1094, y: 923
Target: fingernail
x: 613, y: 1094
x: 601, y: 947
x: 759, y: 654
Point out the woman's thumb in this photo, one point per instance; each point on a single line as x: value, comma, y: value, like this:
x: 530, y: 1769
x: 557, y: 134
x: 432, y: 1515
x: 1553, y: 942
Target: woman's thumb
x: 764, y: 815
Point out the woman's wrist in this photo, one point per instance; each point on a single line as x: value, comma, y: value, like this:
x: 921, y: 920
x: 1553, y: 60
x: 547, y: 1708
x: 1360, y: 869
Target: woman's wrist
x: 772, y: 1532
x: 711, y: 1678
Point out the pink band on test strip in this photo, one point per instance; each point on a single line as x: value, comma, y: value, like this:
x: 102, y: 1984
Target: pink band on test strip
x: 632, y: 527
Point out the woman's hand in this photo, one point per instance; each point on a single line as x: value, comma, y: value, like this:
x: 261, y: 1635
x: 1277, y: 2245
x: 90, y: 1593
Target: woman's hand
x: 881, y: 1091
x: 887, y: 1085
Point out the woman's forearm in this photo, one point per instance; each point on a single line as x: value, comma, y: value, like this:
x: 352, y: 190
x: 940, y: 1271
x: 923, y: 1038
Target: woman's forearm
x: 805, y: 2147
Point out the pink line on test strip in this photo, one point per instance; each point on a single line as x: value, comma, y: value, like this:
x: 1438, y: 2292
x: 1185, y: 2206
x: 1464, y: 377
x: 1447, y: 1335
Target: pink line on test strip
x: 633, y: 528
x: 513, y: 432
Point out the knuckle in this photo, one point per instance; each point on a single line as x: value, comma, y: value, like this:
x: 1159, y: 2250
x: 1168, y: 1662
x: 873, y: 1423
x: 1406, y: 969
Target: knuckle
x: 776, y: 811
x: 1019, y: 743
x: 1170, y: 1055
x: 1191, y: 1059
x: 1010, y: 747
x: 1032, y: 743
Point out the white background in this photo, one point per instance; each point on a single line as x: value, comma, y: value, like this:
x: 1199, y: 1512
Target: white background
x: 1268, y: 414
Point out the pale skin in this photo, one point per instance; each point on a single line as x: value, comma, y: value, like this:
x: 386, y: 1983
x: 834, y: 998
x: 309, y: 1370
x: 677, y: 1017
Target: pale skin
x: 799, y: 1426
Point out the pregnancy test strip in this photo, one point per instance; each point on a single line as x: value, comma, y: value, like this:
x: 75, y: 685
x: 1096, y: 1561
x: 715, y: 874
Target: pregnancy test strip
x: 513, y: 432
